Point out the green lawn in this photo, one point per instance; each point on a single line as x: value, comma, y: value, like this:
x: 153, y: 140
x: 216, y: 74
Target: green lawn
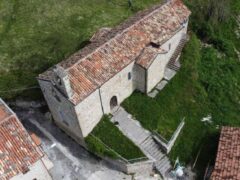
x: 205, y: 85
x: 35, y: 35
x: 111, y: 136
x: 208, y: 84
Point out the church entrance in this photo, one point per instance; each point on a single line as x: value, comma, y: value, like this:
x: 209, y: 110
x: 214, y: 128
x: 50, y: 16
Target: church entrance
x: 113, y: 102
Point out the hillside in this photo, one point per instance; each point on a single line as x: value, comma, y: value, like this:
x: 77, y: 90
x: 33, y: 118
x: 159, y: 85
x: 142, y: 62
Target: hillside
x: 207, y: 86
x: 35, y: 35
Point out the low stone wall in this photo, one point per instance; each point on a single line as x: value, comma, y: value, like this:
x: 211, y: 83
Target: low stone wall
x: 131, y: 168
x: 145, y: 166
x: 167, y: 146
x: 71, y: 134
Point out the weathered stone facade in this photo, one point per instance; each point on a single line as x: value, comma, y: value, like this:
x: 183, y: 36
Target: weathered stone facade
x: 121, y: 86
x: 80, y: 119
x: 36, y: 171
x: 116, y: 63
x: 63, y: 111
x: 156, y: 70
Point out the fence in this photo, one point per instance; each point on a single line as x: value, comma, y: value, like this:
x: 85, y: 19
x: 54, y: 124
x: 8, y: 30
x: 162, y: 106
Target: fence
x: 167, y: 145
x: 128, y: 166
x: 128, y: 161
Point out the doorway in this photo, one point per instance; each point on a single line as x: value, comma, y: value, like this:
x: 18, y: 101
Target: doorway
x: 113, y: 102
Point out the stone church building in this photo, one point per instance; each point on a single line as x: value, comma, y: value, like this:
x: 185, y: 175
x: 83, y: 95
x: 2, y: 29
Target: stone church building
x: 132, y: 56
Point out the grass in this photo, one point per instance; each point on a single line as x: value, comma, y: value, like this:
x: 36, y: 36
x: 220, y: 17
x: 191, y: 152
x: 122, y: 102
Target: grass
x: 110, y: 135
x: 206, y: 85
x: 35, y: 35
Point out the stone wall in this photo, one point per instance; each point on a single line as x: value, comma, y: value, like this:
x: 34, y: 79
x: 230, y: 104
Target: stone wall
x: 62, y: 110
x: 120, y: 86
x: 155, y: 72
x: 89, y: 112
x: 139, y: 78
x: 36, y: 171
x: 138, y: 167
x: 78, y: 121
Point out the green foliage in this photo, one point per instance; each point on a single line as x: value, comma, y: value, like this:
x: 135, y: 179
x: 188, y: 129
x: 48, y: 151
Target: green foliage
x: 110, y: 135
x: 98, y: 148
x: 166, y: 111
x: 35, y: 35
x: 207, y: 84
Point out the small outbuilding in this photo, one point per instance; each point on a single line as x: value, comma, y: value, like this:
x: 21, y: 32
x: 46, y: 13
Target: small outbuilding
x: 20, y: 158
x: 227, y: 165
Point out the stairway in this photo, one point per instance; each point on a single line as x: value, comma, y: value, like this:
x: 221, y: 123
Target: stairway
x: 174, y: 64
x: 142, y: 138
x: 129, y: 127
x: 162, y: 163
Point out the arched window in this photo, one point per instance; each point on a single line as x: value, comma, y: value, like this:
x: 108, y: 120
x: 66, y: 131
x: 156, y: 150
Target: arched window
x: 113, y: 102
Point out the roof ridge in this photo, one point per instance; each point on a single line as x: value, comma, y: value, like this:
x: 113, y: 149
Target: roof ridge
x: 99, y: 61
x: 119, y: 34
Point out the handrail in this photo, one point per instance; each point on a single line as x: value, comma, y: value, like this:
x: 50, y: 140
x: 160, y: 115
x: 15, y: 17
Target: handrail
x: 107, y: 147
x: 178, y: 128
x: 131, y: 161
x: 167, y: 145
x: 160, y: 137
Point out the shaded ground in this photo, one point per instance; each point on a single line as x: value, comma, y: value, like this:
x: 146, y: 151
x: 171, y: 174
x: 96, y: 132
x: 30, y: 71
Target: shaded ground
x: 71, y: 161
x: 205, y: 88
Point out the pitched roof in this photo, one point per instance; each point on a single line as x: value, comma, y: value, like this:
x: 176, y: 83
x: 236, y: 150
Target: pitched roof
x: 148, y: 55
x: 227, y: 165
x: 95, y: 64
x: 17, y: 150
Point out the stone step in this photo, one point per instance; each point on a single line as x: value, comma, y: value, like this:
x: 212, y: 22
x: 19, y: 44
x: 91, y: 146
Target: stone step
x: 163, y: 168
x: 158, y: 155
x: 177, y: 52
x: 147, y: 142
x: 164, y: 162
x: 152, y: 147
x: 161, y: 85
x: 173, y: 67
x: 142, y: 138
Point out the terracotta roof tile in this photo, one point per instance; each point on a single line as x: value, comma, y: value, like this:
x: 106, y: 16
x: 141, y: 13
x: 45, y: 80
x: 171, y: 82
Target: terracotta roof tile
x: 17, y: 150
x: 148, y: 55
x: 227, y: 165
x: 95, y: 64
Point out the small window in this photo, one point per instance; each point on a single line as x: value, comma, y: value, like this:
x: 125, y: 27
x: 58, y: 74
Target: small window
x: 129, y: 76
x: 155, y: 45
x: 59, y: 81
x: 169, y: 46
x: 55, y: 95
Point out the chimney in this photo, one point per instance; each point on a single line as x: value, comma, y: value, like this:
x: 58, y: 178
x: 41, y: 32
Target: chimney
x: 61, y: 81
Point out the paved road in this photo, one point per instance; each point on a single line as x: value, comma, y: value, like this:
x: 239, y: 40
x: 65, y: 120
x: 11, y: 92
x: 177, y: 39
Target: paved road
x: 71, y: 161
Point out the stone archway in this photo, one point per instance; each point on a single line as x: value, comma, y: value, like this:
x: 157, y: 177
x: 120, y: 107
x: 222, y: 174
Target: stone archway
x: 113, y: 102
